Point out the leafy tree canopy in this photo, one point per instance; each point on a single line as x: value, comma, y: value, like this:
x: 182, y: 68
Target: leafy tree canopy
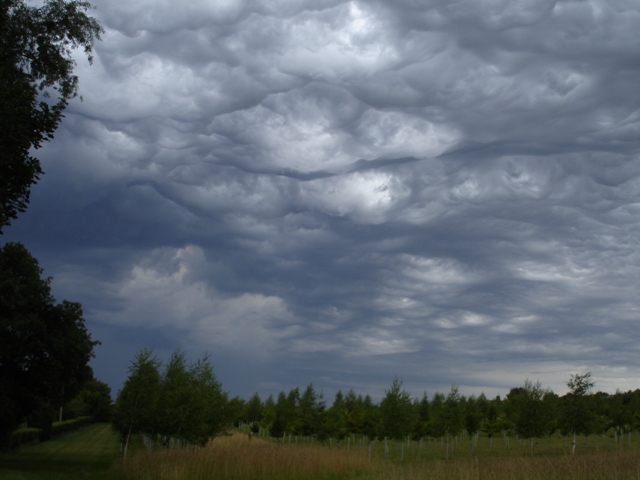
x: 36, y: 84
x: 45, y: 346
x: 94, y: 400
x: 185, y: 402
x: 578, y: 415
x: 531, y: 418
x: 136, y: 404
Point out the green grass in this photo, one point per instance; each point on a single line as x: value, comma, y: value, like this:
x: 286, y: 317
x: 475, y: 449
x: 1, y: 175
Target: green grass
x: 85, y: 454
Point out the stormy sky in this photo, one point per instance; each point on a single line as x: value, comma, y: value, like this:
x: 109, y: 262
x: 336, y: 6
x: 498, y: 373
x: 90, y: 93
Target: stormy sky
x: 340, y: 192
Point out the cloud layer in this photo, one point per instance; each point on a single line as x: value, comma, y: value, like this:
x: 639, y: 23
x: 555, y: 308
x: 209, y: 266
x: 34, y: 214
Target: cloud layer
x: 339, y: 192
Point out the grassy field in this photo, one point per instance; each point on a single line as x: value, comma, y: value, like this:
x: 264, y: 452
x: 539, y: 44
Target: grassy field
x: 85, y: 454
x: 501, y: 447
x: 92, y: 453
x: 463, y: 446
x: 236, y: 457
x: 610, y: 466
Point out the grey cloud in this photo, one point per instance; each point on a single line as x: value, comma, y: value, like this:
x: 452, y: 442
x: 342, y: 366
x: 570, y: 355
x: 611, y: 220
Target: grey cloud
x: 356, y: 190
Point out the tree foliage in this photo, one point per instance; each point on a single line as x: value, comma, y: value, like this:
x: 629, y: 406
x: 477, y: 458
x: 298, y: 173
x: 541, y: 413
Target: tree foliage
x: 397, y: 413
x: 278, y: 425
x: 94, y: 400
x: 184, y: 402
x: 577, y: 416
x: 310, y: 410
x: 530, y: 411
x: 472, y: 416
x: 268, y: 412
x: 335, y: 425
x: 423, y: 417
x: 135, y: 407
x: 36, y: 84
x: 531, y: 417
x: 253, y: 410
x: 45, y: 345
x: 453, y: 411
x: 355, y: 413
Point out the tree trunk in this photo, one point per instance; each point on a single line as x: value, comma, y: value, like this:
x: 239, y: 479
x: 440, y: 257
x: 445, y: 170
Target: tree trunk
x: 532, y: 446
x: 447, y: 454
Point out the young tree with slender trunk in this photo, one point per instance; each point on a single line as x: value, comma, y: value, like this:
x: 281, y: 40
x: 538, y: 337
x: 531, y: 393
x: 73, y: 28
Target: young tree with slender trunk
x: 472, y: 419
x: 253, y: 412
x: 135, y: 408
x: 209, y: 412
x: 490, y: 424
x: 577, y: 415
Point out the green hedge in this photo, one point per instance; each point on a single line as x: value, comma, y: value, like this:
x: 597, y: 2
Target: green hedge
x: 60, y: 428
x: 26, y: 436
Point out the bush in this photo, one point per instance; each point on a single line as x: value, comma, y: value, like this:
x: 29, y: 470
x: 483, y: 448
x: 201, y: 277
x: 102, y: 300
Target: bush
x: 23, y: 436
x: 28, y: 435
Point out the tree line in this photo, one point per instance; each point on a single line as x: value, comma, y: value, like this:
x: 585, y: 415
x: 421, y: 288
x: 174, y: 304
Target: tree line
x: 529, y: 411
x: 186, y: 402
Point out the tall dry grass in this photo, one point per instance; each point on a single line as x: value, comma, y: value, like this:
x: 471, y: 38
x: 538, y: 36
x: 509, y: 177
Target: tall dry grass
x: 237, y: 458
x: 594, y: 466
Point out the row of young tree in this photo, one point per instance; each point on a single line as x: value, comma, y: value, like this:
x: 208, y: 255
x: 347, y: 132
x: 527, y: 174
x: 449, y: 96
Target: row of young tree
x: 529, y: 412
x: 177, y: 401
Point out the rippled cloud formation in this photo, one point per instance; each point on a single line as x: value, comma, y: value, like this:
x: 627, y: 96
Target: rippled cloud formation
x: 339, y: 192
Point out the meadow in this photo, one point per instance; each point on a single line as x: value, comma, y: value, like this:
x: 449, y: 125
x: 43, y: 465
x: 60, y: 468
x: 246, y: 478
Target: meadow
x: 236, y: 457
x: 93, y: 453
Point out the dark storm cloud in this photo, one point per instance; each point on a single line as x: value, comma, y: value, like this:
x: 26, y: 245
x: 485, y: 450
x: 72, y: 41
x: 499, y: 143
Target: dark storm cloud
x: 340, y: 192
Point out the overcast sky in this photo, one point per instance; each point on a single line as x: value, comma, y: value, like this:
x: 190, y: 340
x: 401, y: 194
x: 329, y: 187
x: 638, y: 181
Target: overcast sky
x: 337, y: 193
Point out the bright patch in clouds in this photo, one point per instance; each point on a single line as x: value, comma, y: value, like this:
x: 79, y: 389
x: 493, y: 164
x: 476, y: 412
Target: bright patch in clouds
x: 165, y: 290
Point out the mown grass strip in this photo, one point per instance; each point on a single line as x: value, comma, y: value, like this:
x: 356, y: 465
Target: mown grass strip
x: 85, y: 454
